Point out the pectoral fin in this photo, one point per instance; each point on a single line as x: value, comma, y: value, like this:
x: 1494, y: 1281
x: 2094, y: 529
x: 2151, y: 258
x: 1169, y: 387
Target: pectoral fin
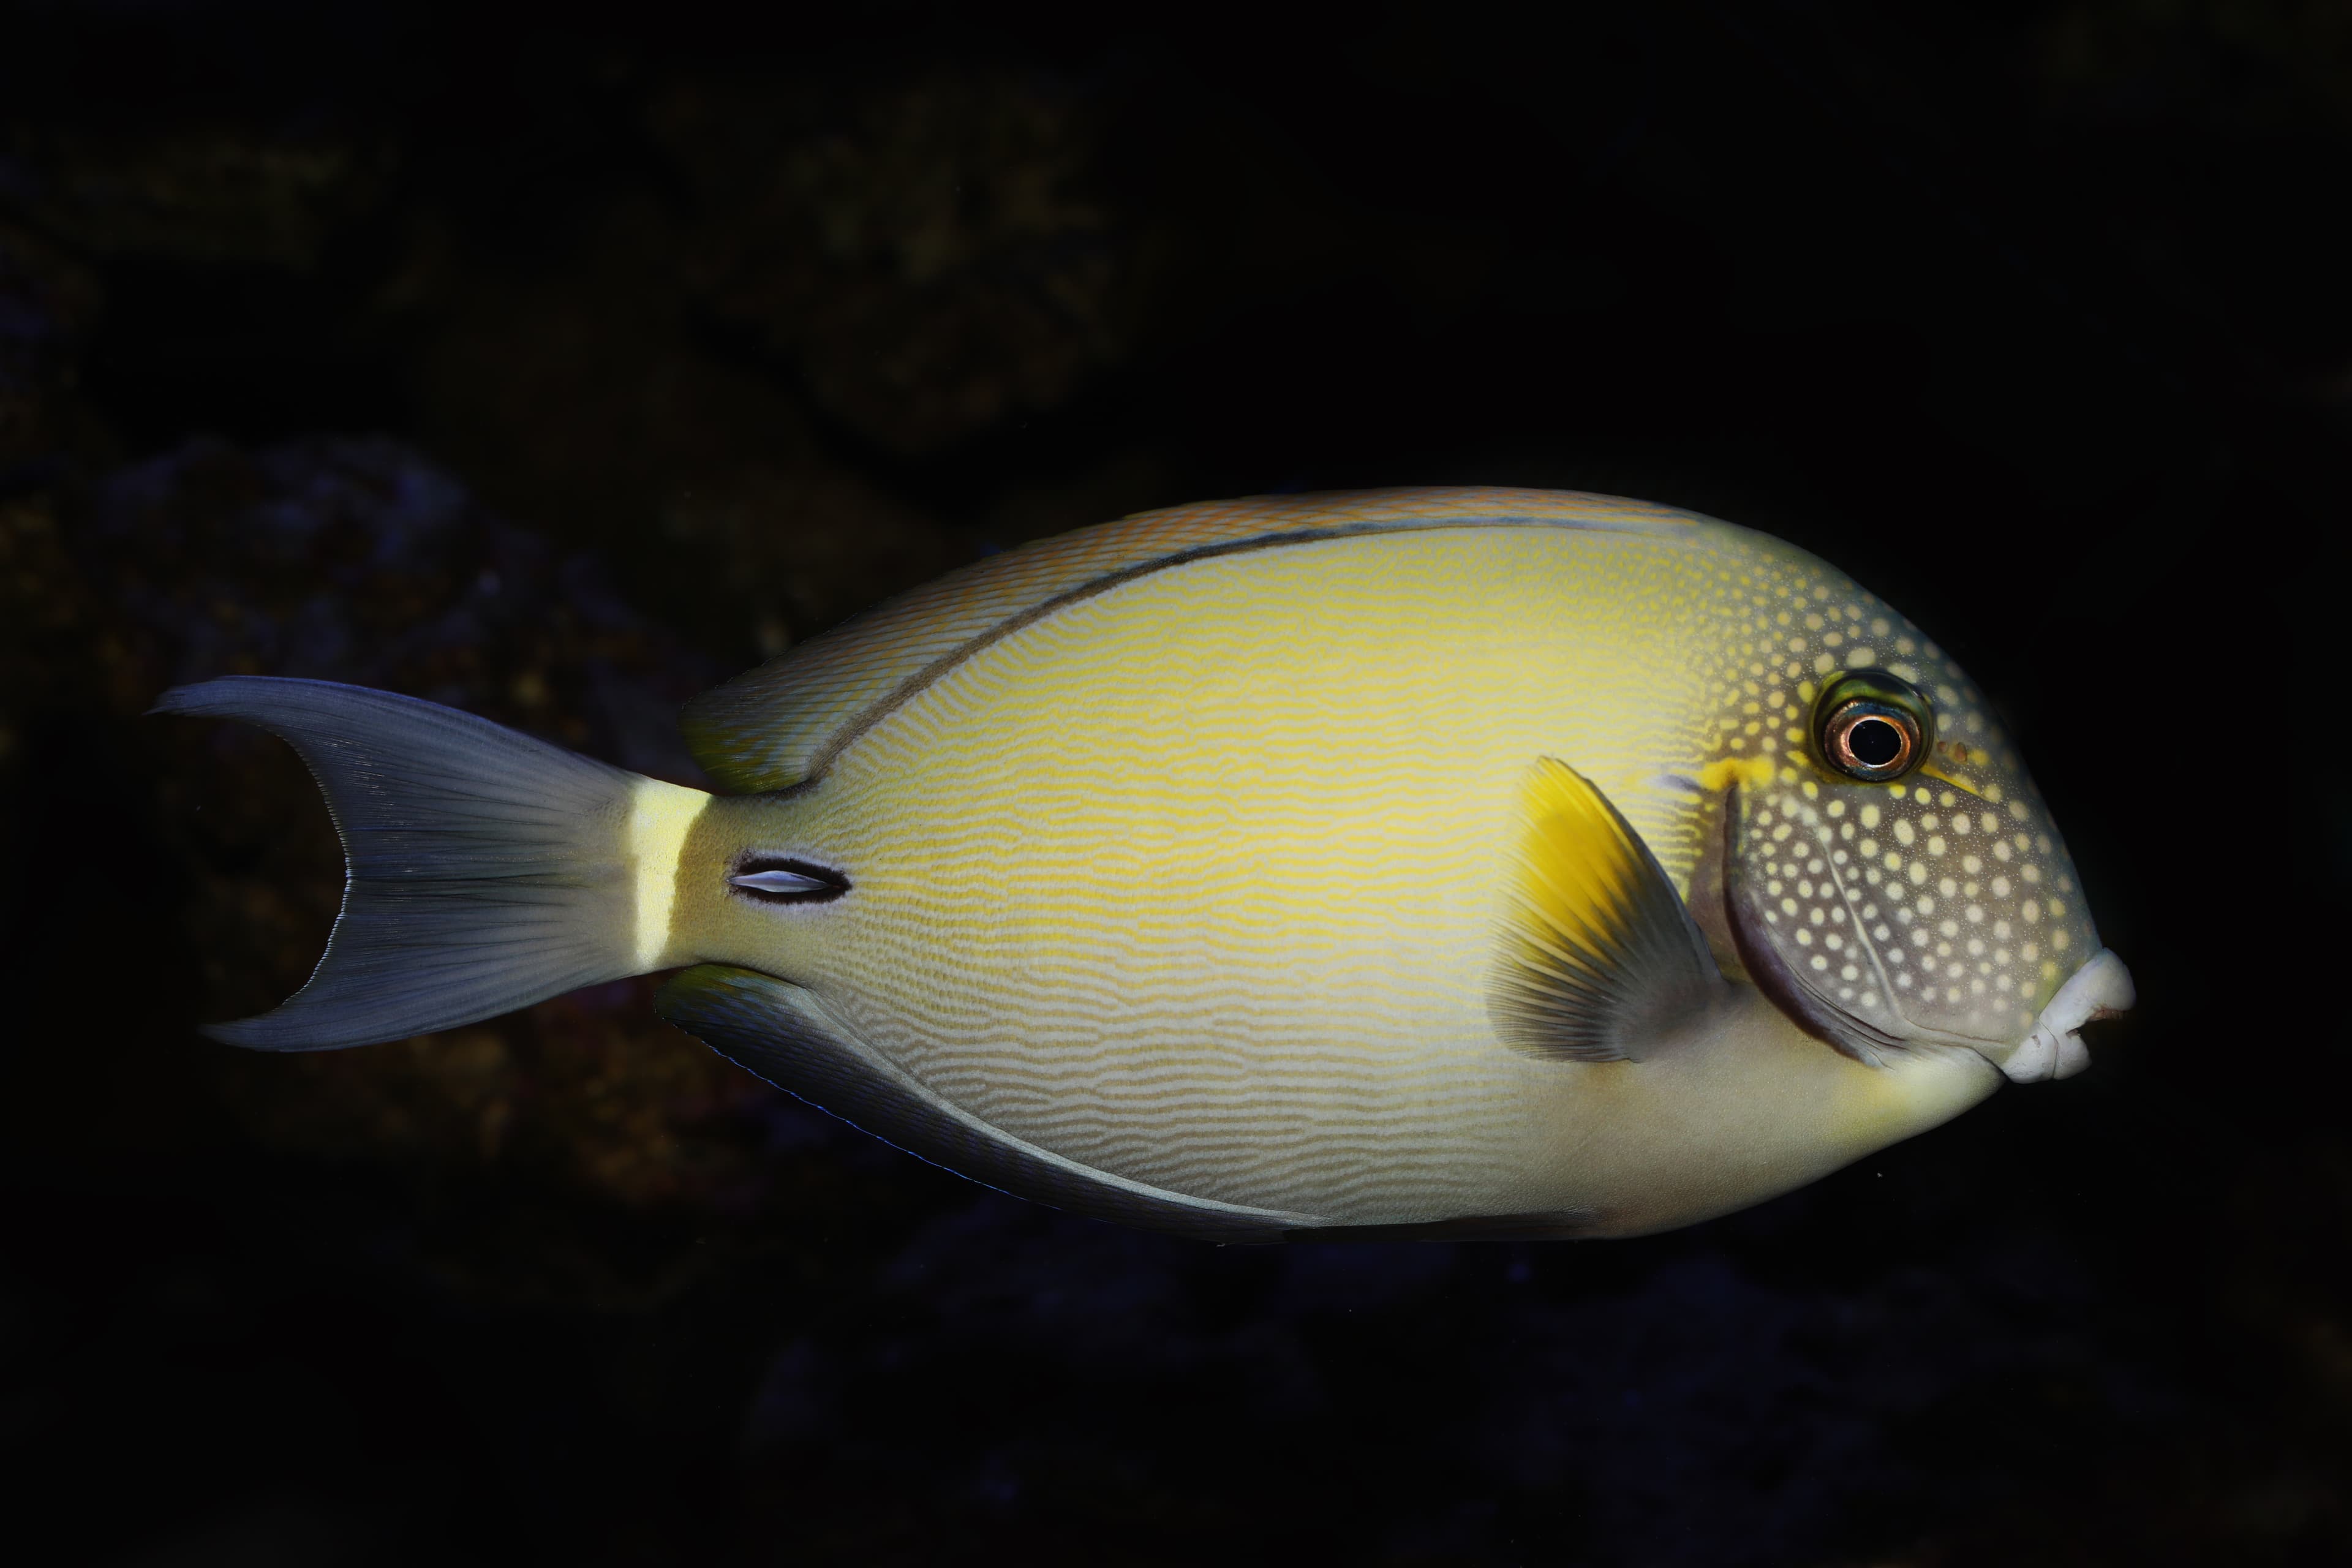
x: 1598, y: 957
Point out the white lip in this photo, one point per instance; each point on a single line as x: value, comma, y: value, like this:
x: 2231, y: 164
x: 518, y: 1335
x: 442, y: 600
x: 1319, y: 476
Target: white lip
x: 2100, y: 989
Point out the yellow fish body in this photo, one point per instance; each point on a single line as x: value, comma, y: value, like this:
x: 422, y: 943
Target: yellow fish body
x: 1436, y: 862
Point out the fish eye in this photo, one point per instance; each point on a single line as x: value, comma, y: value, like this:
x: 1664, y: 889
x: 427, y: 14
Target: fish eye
x: 1873, y: 726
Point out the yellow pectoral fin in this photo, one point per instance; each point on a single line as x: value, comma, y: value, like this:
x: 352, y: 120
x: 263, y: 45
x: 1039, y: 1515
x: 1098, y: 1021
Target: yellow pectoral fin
x: 1598, y: 956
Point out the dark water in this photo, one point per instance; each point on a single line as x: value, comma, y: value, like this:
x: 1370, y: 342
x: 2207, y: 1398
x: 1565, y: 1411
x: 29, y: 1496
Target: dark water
x: 555, y: 361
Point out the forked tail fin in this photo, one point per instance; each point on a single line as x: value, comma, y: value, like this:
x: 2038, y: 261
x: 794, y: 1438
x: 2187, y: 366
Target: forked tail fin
x: 485, y: 870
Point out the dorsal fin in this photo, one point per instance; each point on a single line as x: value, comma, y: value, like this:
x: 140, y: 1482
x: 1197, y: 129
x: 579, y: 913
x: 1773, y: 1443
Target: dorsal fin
x: 1598, y: 956
x: 775, y: 726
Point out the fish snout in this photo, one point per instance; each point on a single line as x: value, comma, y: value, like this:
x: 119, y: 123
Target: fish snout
x: 2102, y: 988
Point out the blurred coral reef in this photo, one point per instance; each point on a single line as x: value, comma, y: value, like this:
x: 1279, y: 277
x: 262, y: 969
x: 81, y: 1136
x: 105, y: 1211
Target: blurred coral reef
x: 558, y: 370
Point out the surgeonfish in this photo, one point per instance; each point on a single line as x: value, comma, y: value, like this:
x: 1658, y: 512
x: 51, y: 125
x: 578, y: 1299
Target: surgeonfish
x: 1407, y: 863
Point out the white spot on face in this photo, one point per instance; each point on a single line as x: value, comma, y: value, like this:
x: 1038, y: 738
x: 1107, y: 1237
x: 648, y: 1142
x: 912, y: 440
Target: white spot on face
x: 2030, y: 911
x: 1835, y: 808
x: 1820, y: 962
x: 1870, y: 815
x: 1918, y: 872
x: 1936, y: 844
x: 1904, y: 834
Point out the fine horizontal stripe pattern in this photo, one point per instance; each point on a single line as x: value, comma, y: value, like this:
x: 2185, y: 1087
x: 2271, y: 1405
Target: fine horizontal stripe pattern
x: 1196, y: 880
x: 775, y: 725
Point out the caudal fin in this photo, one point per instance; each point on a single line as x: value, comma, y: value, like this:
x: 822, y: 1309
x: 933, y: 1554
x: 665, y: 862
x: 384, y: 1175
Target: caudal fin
x: 486, y: 870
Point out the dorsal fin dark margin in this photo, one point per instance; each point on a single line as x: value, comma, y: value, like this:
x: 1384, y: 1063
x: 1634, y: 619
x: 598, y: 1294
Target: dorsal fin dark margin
x: 913, y: 686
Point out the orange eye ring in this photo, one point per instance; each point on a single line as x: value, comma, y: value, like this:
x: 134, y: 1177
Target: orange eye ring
x: 1871, y: 741
x: 1873, y: 726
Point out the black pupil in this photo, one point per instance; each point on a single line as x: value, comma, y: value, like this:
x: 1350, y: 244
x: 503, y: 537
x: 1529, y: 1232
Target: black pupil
x: 1875, y: 742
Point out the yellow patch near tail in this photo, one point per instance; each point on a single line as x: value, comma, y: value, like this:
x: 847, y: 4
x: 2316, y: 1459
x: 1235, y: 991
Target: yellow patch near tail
x: 1598, y: 953
x: 660, y: 816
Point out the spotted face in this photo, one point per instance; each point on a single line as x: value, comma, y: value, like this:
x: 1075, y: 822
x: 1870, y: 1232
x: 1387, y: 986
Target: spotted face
x: 1890, y: 877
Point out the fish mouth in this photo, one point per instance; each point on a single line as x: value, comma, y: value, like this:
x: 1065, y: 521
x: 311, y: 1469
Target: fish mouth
x: 2102, y: 988
x: 1864, y: 1020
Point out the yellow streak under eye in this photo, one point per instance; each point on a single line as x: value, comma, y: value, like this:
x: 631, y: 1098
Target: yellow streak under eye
x: 1932, y: 772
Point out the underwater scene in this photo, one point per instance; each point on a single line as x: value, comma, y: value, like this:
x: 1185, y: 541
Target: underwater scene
x: 1673, y: 898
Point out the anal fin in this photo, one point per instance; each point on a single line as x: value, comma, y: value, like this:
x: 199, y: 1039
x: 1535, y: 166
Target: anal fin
x: 784, y: 1033
x: 1598, y: 956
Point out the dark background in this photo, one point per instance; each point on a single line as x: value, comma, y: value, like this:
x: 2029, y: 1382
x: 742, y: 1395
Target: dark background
x: 557, y: 361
